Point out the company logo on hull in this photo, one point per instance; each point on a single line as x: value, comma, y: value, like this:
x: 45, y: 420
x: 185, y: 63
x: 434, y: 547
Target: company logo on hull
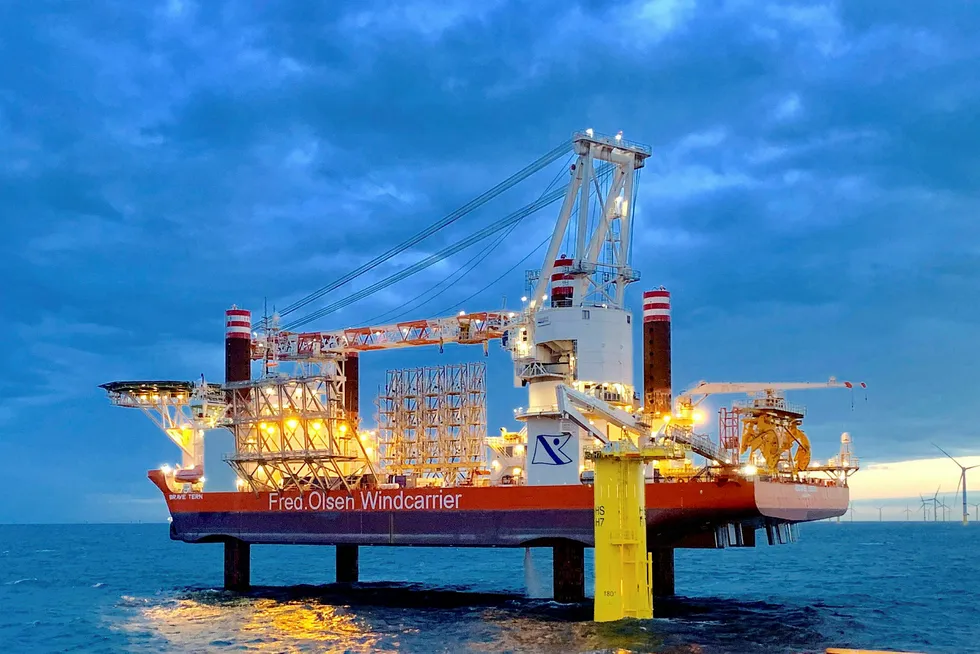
x: 549, y: 450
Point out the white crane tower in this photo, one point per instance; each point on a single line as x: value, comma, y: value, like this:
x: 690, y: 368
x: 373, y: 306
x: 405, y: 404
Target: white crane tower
x: 582, y: 337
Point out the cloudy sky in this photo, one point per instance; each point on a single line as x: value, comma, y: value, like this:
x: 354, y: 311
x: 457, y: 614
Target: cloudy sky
x: 811, y: 201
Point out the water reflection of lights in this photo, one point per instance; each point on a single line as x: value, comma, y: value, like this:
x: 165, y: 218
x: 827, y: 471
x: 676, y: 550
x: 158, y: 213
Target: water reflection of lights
x: 305, y: 621
x: 381, y: 619
x: 567, y: 634
x: 265, y: 624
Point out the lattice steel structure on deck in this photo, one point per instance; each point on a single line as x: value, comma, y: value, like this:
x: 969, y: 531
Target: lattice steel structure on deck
x: 729, y: 433
x: 433, y: 422
x: 294, y: 432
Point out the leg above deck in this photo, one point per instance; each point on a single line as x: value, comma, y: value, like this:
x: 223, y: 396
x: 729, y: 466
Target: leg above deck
x: 237, y: 565
x: 347, y: 564
x: 663, y: 571
x: 569, y: 572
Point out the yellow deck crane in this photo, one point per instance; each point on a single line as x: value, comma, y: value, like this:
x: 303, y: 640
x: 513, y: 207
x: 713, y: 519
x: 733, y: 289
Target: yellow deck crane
x: 770, y: 424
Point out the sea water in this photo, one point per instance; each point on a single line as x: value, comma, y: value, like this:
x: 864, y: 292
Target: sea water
x: 129, y: 588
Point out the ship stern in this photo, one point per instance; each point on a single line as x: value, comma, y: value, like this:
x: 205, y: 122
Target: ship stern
x: 801, y: 502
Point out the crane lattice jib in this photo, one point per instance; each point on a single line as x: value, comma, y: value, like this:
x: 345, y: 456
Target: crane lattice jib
x: 471, y: 328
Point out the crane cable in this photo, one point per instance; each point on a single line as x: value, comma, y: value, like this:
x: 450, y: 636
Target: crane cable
x: 507, y: 272
x: 603, y: 172
x: 501, y: 224
x: 508, y: 183
x: 476, y: 237
x: 460, y: 272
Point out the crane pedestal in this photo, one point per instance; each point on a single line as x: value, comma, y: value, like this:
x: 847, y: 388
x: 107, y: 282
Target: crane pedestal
x: 237, y: 565
x: 347, y: 564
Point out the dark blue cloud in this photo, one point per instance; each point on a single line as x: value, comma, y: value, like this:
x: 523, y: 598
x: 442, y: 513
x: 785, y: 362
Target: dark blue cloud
x: 810, y: 200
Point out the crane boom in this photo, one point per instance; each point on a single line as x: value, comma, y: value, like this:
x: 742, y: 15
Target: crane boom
x: 470, y: 328
x: 704, y: 389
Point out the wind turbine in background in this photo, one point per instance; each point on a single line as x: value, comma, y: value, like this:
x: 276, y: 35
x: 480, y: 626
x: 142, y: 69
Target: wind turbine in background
x: 850, y: 507
x: 908, y: 513
x: 925, y: 508
x: 942, y: 505
x: 977, y: 507
x: 935, y: 504
x: 879, y: 512
x: 962, y: 481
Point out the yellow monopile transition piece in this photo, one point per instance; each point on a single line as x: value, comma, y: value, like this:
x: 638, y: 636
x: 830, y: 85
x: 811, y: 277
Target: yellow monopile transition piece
x: 623, y: 567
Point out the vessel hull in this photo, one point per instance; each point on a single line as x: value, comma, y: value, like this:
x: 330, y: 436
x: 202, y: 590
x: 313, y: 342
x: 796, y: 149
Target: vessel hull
x: 517, y: 516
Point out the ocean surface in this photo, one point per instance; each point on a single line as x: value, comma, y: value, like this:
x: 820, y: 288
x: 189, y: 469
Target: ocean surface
x: 129, y: 588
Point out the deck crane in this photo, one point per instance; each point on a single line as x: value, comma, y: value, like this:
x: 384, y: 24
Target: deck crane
x: 276, y: 342
x: 770, y: 425
x: 697, y: 393
x: 574, y: 327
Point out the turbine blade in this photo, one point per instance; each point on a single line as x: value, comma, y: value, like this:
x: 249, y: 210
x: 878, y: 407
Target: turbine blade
x: 947, y: 454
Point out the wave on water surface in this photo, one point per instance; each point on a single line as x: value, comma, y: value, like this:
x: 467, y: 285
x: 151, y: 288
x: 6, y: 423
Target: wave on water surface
x: 129, y: 588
